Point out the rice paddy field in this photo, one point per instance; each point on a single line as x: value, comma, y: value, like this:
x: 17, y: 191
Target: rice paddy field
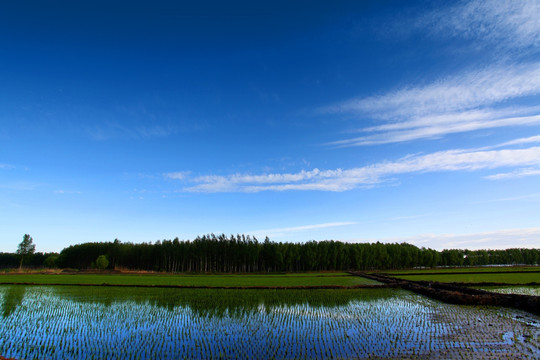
x: 520, y: 290
x: 484, y: 269
x: 488, y: 277
x: 71, y: 322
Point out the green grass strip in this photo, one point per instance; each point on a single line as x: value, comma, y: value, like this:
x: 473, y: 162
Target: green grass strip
x: 190, y: 280
x: 502, y: 278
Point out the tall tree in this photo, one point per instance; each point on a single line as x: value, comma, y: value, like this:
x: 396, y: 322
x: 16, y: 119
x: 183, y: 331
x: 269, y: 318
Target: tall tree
x: 211, y: 253
x: 26, y: 248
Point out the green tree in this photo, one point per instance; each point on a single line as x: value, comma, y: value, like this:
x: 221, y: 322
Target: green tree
x: 26, y: 248
x: 102, y: 262
x: 51, y: 261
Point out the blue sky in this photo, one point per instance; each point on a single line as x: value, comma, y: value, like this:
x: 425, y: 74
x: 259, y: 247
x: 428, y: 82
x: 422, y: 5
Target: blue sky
x: 308, y: 120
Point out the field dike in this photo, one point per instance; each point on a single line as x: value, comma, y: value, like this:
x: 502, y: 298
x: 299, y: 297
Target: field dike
x: 460, y: 293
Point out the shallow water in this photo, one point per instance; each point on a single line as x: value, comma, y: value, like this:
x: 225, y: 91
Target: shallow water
x: 118, y: 323
x: 520, y: 290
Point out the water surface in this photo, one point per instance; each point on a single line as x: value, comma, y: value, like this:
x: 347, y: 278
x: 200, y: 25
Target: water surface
x: 129, y: 323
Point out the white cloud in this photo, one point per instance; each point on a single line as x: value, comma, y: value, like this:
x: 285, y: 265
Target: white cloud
x: 67, y: 192
x: 503, y: 24
x: 457, y: 93
x: 452, y: 105
x: 114, y: 130
x: 436, y: 126
x: 277, y: 232
x: 499, y: 239
x: 528, y: 197
x: 523, y: 197
x: 527, y: 140
x: 347, y: 179
x: 21, y: 185
x: 519, y: 173
x: 178, y: 175
x: 457, y: 103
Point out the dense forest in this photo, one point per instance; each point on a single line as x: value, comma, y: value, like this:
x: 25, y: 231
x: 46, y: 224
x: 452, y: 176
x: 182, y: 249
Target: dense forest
x: 37, y: 260
x: 211, y: 253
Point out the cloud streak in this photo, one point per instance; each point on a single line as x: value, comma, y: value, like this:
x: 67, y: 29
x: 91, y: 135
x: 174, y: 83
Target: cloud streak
x: 114, y: 130
x: 499, y: 239
x: 515, y: 174
x: 347, y: 179
x: 436, y: 127
x: 457, y: 93
x: 527, y: 140
x: 503, y: 24
x: 178, y: 175
x: 464, y: 102
x: 282, y: 231
x: 67, y: 192
x: 454, y: 105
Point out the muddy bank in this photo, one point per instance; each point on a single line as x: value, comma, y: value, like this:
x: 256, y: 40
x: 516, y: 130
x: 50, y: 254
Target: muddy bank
x: 459, y: 294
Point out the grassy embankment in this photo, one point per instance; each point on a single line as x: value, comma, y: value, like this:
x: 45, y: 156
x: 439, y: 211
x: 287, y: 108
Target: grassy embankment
x: 280, y: 280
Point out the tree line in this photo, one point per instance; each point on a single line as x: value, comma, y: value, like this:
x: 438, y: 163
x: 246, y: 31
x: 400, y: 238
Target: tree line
x: 243, y: 254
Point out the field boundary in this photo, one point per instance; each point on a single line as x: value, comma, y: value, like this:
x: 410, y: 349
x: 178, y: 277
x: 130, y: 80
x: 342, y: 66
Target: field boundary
x: 460, y: 294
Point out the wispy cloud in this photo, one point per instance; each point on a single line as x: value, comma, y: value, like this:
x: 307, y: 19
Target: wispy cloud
x: 277, y: 232
x: 178, y: 175
x: 527, y: 140
x: 6, y: 166
x: 347, y: 179
x: 499, y: 239
x: 452, y: 105
x: 116, y: 130
x: 466, y: 101
x: 529, y: 197
x: 67, y: 192
x: 515, y: 174
x: 436, y: 126
x: 21, y: 185
x: 457, y: 93
x: 506, y: 24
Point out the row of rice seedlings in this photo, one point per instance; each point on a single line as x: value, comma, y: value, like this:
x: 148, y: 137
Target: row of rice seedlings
x: 45, y: 325
x: 487, y: 330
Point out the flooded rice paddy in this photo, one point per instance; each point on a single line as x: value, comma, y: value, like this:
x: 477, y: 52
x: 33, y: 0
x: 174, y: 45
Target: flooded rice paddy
x: 47, y: 322
x: 519, y: 290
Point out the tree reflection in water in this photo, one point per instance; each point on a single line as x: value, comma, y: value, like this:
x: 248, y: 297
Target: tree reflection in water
x: 13, y: 297
x: 219, y: 302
